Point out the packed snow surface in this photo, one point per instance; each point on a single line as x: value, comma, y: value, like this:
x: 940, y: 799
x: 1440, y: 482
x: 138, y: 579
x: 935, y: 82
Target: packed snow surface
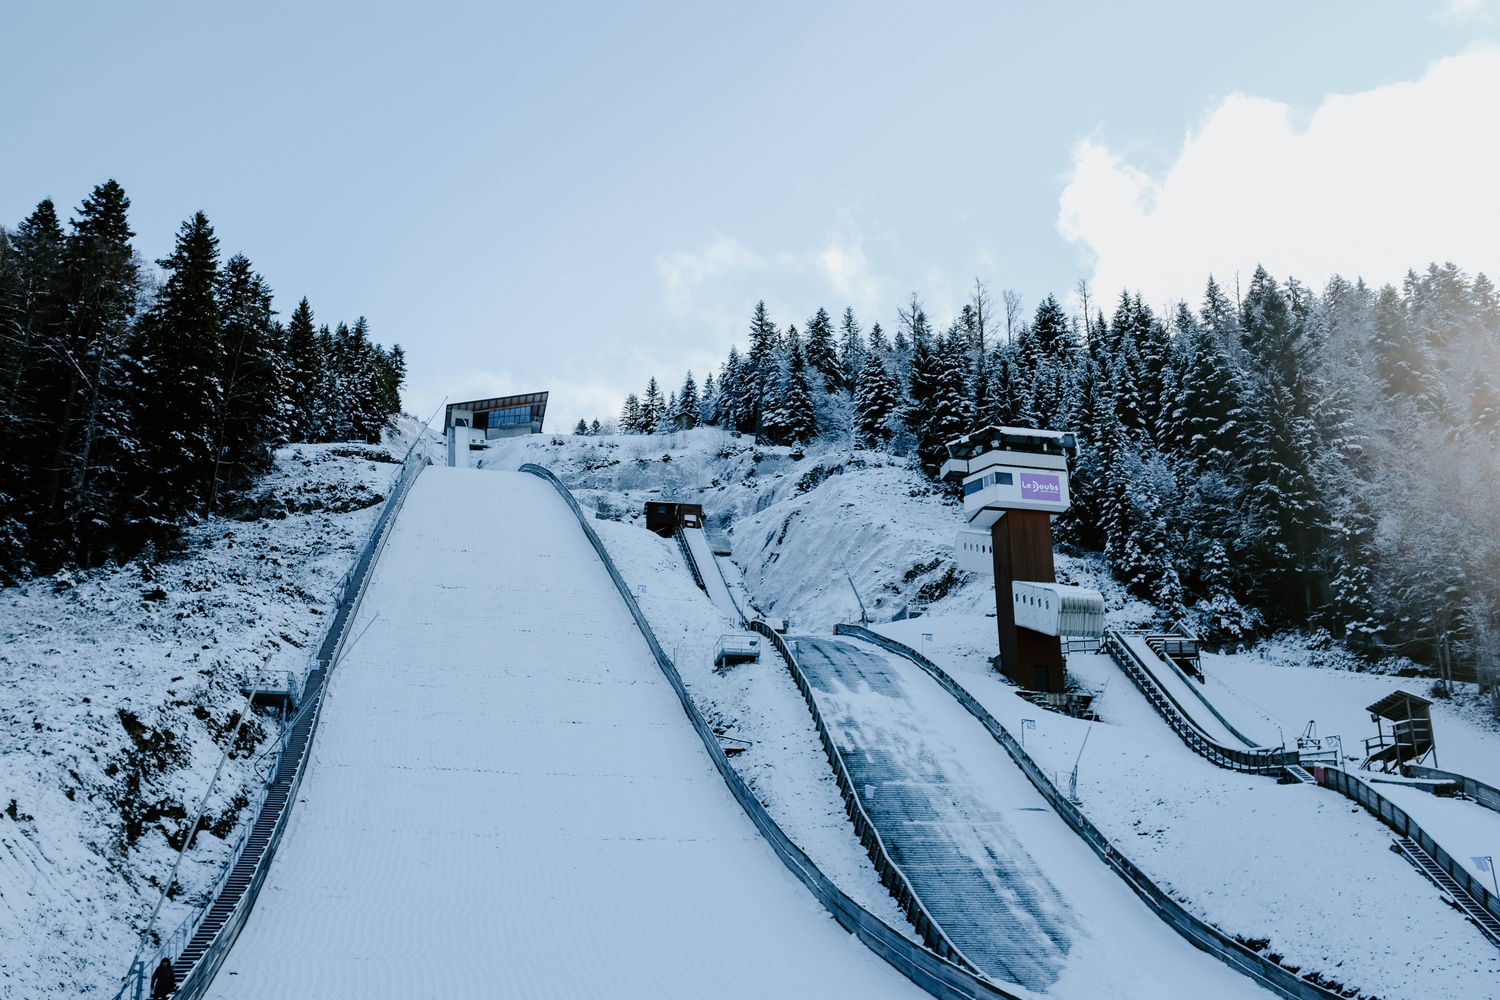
x: 1019, y: 893
x: 505, y: 798
x: 1297, y: 871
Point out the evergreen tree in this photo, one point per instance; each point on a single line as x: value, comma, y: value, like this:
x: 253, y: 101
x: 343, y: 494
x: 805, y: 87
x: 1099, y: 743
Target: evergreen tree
x: 581, y: 428
x: 792, y: 418
x: 304, y: 374
x: 98, y: 291
x: 821, y: 353
x: 948, y: 413
x: 247, y: 421
x: 595, y: 428
x: 1053, y: 332
x: 760, y: 368
x: 630, y: 415
x: 851, y: 349
x: 1202, y: 420
x: 877, y: 400
x: 177, y: 350
x: 708, y: 402
x: 687, y: 404
x: 653, y: 409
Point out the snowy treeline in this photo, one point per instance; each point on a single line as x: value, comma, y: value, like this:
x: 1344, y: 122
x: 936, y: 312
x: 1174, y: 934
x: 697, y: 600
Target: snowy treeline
x: 130, y: 398
x: 1276, y: 458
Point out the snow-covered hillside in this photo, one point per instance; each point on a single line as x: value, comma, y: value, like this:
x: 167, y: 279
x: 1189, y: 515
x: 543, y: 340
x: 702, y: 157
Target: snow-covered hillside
x: 802, y: 526
x: 121, y: 687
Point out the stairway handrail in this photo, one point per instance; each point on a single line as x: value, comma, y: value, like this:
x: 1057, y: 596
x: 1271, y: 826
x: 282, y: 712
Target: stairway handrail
x: 1198, y: 932
x: 934, y: 974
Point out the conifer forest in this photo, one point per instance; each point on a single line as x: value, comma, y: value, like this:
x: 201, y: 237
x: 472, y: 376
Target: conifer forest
x: 1276, y: 457
x: 134, y: 398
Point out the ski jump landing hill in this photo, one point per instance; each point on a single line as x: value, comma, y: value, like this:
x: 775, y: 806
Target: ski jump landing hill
x: 506, y: 799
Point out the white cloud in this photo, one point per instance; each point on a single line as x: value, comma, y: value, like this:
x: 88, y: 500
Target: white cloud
x: 712, y: 290
x: 1378, y: 182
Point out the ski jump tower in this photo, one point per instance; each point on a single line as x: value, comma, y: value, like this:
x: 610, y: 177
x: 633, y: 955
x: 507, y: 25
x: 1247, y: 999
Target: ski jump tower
x: 1015, y: 480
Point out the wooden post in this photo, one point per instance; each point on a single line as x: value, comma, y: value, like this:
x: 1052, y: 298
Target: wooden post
x: 1022, y: 545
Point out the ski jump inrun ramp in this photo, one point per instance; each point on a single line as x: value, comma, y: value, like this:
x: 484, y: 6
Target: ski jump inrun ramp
x: 506, y: 799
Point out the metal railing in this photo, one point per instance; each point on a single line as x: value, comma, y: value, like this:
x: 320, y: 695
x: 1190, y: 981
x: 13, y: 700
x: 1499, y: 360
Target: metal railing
x: 349, y: 592
x: 1486, y: 795
x: 1260, y: 761
x: 1200, y: 934
x: 937, y: 976
x: 1393, y: 816
x: 687, y: 556
x: 891, y: 875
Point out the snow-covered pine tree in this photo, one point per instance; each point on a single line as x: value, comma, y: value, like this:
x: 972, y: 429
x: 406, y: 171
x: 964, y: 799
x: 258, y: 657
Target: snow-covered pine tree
x: 1201, y: 424
x: 821, y: 353
x: 760, y: 371
x: 177, y: 351
x: 877, y: 400
x: 653, y: 408
x: 948, y: 413
x: 630, y: 415
x: 1053, y: 332
x: 687, y: 404
x: 304, y: 373
x: 581, y: 428
x: 669, y: 414
x: 795, y: 415
x: 708, y: 402
x: 851, y: 349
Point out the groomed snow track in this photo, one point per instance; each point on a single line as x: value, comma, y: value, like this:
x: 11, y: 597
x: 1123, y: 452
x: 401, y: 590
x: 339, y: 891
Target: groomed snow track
x: 503, y: 799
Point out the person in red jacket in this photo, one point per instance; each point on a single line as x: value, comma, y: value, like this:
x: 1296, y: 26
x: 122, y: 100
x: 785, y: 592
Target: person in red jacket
x: 163, y: 981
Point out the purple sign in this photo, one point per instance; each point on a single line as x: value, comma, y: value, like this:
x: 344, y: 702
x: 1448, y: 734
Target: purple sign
x: 1035, y: 486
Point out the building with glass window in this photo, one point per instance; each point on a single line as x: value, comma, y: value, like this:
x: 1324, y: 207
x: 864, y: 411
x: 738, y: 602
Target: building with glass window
x: 503, y: 416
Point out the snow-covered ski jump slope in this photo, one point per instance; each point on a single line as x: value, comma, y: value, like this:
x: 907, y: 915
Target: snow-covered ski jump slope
x: 505, y: 797
x: 1014, y: 888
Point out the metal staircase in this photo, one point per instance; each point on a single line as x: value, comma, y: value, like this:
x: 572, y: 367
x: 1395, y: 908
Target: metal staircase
x: 262, y: 835
x: 1457, y: 895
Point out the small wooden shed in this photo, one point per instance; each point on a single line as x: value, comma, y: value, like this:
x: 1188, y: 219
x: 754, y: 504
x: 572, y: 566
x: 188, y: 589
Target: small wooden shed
x: 663, y: 516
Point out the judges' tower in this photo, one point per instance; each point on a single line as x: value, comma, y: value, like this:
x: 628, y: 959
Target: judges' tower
x: 1015, y: 480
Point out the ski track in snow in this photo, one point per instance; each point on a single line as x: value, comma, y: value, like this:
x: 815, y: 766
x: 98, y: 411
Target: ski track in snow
x: 506, y: 799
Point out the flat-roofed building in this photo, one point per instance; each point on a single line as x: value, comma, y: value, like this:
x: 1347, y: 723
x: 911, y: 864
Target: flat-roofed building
x: 502, y: 416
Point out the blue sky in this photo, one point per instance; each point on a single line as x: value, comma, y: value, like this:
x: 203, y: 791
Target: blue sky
x: 575, y: 198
